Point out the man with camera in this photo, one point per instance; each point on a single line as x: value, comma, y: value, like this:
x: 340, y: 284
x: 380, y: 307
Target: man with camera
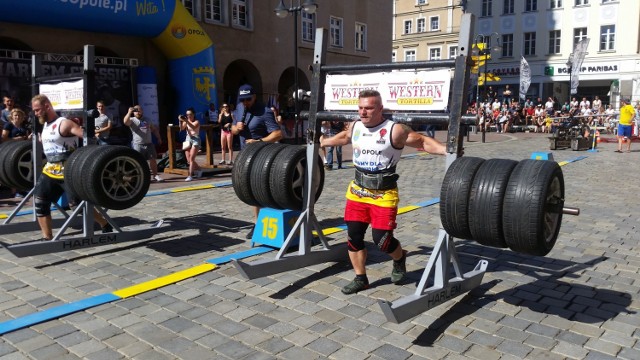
x: 142, y: 128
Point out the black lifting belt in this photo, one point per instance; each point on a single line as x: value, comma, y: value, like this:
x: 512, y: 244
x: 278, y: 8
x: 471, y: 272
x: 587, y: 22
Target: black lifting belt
x: 58, y: 157
x: 377, y: 181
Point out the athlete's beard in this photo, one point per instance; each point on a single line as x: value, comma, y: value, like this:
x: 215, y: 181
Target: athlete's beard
x: 42, y: 120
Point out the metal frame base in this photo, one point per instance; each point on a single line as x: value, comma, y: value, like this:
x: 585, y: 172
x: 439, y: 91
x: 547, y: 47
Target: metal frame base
x: 85, y: 213
x: 444, y: 286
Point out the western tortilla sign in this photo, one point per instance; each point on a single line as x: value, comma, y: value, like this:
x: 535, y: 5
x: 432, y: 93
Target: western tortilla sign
x: 422, y: 90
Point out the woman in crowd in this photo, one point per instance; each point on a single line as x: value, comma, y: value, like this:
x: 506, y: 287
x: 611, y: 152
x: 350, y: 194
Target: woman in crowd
x: 226, y: 119
x: 192, y: 126
x: 15, y: 129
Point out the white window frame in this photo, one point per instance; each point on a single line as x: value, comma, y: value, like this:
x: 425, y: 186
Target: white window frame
x: 193, y: 7
x: 407, y: 54
x: 435, y: 53
x: 408, y: 27
x: 507, y: 45
x: 210, y: 12
x: 529, y: 43
x: 431, y: 19
x: 581, y: 2
x: 487, y: 8
x: 555, y: 41
x: 361, y: 37
x: 531, y: 5
x: 308, y: 26
x: 555, y: 4
x: 453, y: 51
x: 508, y: 7
x: 577, y: 37
x: 608, y: 38
x: 242, y: 7
x: 394, y: 55
x: 421, y: 25
x: 336, y: 31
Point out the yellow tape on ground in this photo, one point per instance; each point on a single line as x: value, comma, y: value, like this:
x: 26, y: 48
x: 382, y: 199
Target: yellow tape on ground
x: 563, y: 163
x: 163, y: 281
x: 405, y: 209
x: 191, y: 188
x: 328, y: 231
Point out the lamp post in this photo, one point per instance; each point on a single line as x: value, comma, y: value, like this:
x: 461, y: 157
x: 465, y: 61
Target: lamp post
x: 310, y: 7
x: 487, y: 48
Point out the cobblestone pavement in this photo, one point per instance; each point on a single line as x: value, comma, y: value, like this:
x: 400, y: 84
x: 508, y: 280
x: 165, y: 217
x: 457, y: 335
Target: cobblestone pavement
x: 579, y: 302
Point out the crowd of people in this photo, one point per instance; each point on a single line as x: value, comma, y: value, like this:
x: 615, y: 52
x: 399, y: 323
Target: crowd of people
x: 507, y: 114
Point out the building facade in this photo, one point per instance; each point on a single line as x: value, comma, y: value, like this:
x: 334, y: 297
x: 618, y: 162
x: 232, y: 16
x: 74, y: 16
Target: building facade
x: 252, y: 45
x: 425, y: 29
x: 545, y: 33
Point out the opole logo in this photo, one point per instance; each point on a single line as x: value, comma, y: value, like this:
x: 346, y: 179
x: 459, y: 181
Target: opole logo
x: 178, y: 31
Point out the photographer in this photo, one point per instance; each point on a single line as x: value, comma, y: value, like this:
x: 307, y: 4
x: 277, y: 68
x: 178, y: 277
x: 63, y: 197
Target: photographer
x: 192, y: 141
x: 142, y: 128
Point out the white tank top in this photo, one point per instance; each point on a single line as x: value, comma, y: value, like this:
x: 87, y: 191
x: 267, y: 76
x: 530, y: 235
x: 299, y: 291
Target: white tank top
x: 373, y: 151
x: 55, y: 144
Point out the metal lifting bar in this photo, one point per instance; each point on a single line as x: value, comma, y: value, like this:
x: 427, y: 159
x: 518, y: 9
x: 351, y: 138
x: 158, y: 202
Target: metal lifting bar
x: 404, y: 118
x: 443, y: 260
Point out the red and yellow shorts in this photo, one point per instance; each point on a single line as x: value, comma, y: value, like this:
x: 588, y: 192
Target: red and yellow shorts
x: 382, y: 218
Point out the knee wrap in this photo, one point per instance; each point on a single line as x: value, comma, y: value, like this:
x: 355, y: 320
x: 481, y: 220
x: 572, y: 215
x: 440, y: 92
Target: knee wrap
x: 43, y: 207
x: 355, y: 237
x: 385, y: 240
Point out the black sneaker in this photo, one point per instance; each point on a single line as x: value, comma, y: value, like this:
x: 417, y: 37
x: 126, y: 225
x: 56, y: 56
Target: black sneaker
x: 107, y: 228
x: 355, y: 286
x: 250, y: 233
x: 399, y: 269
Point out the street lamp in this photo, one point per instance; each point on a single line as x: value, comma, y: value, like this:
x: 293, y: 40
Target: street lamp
x: 310, y: 7
x: 486, y: 50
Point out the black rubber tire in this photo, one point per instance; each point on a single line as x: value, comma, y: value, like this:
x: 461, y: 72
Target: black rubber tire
x: 18, y: 165
x: 287, y: 178
x: 261, y: 169
x: 76, y: 192
x: 533, y: 204
x: 79, y: 171
x: 454, y: 196
x: 4, y: 147
x: 241, y: 173
x: 486, y: 202
x: 118, y: 177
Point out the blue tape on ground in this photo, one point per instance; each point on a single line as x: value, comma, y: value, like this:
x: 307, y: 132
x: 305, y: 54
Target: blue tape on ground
x: 55, y: 312
x: 240, y: 255
x: 428, y: 202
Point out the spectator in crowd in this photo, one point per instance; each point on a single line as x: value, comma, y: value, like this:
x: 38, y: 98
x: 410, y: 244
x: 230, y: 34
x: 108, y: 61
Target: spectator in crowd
x: 226, y: 119
x: 627, y: 113
x: 538, y: 118
x: 191, y: 125
x: 548, y: 106
x: 102, y: 124
x: 335, y: 127
x: 9, y: 105
x: 141, y: 130
x: 15, y: 129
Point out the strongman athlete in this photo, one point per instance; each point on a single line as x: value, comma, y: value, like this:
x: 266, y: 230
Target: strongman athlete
x: 372, y: 197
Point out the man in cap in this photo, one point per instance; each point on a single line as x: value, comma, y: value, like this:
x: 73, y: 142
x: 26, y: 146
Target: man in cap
x: 257, y: 123
x: 627, y: 113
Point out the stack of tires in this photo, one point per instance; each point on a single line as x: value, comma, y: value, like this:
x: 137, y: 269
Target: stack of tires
x: 114, y: 177
x: 504, y: 203
x: 16, y: 165
x: 273, y: 175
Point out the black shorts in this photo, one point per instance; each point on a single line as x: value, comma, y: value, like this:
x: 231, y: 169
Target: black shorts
x: 49, y: 189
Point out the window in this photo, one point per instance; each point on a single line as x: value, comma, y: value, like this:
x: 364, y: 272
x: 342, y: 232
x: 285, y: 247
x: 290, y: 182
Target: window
x: 308, y: 26
x: 453, y: 52
x: 409, y: 55
x: 554, y: 42
x: 582, y: 2
x: 531, y: 5
x: 240, y: 14
x: 361, y: 37
x: 579, y: 34
x: 193, y: 6
x: 508, y: 7
x: 422, y: 2
x: 555, y: 4
x: 336, y: 31
x: 407, y: 26
x: 215, y: 11
x: 393, y: 56
x: 435, y: 54
x: 434, y: 23
x: 608, y: 1
x: 507, y: 45
x: 486, y: 7
x: 529, y: 43
x: 421, y: 25
x: 607, y: 37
